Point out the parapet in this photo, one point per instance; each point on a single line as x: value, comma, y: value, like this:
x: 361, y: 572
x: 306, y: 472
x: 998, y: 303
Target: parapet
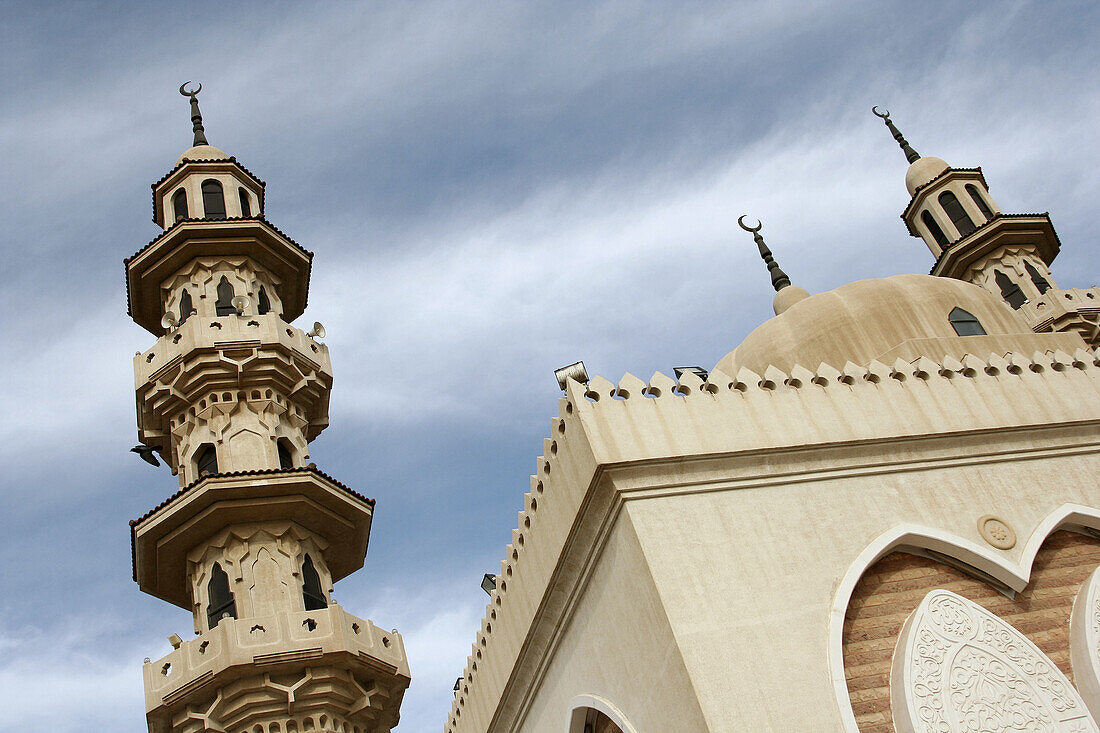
x: 604, y: 426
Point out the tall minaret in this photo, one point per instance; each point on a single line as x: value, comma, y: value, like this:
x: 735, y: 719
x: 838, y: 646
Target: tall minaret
x: 230, y: 396
x: 1007, y: 254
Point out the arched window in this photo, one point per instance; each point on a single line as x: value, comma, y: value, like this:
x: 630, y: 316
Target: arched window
x: 246, y: 207
x: 186, y: 306
x: 179, y: 204
x: 956, y: 213
x: 213, y: 202
x: 263, y: 303
x: 979, y: 200
x: 1040, y: 281
x: 206, y: 460
x: 1010, y: 291
x: 221, y: 598
x: 311, y: 586
x: 224, y: 304
x: 964, y: 323
x: 286, y: 458
x: 592, y: 720
x: 937, y: 233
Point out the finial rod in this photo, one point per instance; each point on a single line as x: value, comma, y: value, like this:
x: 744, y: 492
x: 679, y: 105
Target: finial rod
x: 196, y: 116
x: 779, y: 278
x: 911, y: 155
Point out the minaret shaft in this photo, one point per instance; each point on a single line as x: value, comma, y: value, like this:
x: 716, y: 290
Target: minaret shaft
x: 231, y: 394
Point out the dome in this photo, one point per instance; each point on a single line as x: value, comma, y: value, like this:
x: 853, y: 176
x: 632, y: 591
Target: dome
x: 861, y: 321
x: 202, y: 152
x: 922, y: 171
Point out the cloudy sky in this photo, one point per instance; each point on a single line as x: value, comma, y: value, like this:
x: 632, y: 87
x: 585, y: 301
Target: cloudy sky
x: 492, y: 190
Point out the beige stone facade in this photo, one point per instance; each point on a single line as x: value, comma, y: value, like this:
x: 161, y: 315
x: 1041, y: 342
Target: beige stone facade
x: 230, y: 396
x: 704, y: 554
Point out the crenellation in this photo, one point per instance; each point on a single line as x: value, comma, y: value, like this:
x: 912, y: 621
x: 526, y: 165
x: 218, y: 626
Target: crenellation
x: 750, y: 413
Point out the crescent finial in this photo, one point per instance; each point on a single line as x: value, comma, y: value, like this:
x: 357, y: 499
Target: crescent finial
x: 189, y: 94
x: 741, y: 223
x: 884, y: 115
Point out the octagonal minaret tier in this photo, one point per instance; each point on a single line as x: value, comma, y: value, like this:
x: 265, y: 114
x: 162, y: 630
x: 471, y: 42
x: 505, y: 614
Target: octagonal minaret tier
x: 230, y: 396
x: 1007, y: 254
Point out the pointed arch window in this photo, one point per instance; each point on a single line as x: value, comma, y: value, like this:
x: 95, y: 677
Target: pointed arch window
x: 312, y: 594
x: 937, y: 233
x: 206, y: 460
x: 221, y: 602
x: 263, y: 303
x: 1010, y: 291
x: 224, y: 305
x: 246, y: 207
x: 186, y: 306
x: 213, y: 200
x: 955, y: 211
x: 979, y: 200
x: 965, y: 323
x: 179, y: 204
x: 286, y: 458
x: 1040, y: 281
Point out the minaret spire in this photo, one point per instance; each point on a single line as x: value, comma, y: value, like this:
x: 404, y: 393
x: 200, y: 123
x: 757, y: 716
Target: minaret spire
x: 911, y: 155
x: 779, y: 278
x: 196, y: 116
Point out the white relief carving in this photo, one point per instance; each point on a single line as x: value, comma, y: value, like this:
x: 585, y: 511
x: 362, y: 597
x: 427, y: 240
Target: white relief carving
x: 1084, y: 642
x: 957, y: 667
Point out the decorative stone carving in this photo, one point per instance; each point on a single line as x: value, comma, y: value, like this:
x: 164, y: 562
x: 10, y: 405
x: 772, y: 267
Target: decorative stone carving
x: 957, y: 667
x: 997, y: 532
x: 1084, y: 642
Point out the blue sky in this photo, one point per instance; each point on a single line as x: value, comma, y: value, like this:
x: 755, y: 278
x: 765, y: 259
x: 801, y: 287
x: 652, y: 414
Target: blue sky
x: 492, y: 190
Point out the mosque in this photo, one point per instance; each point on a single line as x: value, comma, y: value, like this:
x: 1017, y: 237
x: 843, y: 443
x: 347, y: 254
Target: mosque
x: 879, y: 512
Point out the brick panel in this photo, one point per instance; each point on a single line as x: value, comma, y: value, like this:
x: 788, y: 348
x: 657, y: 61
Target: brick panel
x: 894, y: 586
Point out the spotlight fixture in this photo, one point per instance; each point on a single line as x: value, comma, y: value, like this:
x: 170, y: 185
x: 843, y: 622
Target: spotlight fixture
x: 697, y: 371
x: 489, y: 583
x: 573, y: 371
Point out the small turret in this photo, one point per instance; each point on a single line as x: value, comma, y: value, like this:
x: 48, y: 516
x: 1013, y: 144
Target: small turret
x: 973, y: 240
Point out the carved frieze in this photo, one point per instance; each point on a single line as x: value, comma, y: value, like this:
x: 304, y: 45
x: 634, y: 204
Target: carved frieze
x: 958, y: 667
x: 1084, y: 642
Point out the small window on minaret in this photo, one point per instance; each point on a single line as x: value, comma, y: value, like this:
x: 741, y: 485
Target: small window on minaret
x: 246, y: 208
x: 221, y: 598
x: 979, y: 200
x: 955, y: 211
x: 937, y: 233
x: 186, y: 306
x: 263, y: 303
x: 207, y: 460
x: 179, y: 204
x: 1040, y: 281
x: 286, y: 459
x: 224, y: 305
x: 213, y: 202
x: 1010, y: 291
x: 965, y: 324
x: 311, y: 586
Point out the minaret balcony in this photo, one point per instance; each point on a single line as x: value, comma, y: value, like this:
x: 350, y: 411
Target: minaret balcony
x: 1034, y: 230
x: 194, y: 368
x: 1076, y: 309
x: 162, y: 539
x: 307, y: 654
x: 151, y: 267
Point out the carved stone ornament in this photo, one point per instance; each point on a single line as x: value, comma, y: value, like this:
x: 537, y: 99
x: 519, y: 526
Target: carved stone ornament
x: 957, y: 667
x: 1084, y: 642
x: 996, y: 532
